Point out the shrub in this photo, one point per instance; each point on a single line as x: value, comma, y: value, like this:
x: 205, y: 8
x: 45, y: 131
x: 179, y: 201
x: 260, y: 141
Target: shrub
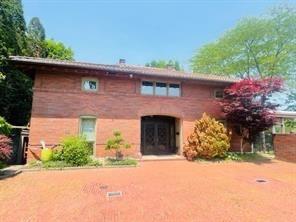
x: 5, y: 127
x: 46, y: 154
x: 115, y: 162
x: 56, y: 164
x: 95, y: 162
x: 5, y: 147
x: 75, y: 151
x: 57, y: 154
x: 117, y: 143
x: 209, y: 139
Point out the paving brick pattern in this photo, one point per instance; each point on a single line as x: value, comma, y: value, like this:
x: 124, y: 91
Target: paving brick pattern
x: 156, y: 191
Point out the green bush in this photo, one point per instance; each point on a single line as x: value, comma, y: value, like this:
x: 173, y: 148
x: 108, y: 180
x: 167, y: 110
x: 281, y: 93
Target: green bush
x: 94, y: 162
x: 46, y: 154
x: 57, y: 154
x: 75, y: 151
x: 117, y: 143
x: 116, y: 162
x: 5, y: 127
x: 55, y: 164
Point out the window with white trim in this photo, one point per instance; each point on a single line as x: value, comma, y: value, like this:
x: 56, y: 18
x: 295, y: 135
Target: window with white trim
x: 88, y: 130
x: 90, y: 84
x: 219, y: 93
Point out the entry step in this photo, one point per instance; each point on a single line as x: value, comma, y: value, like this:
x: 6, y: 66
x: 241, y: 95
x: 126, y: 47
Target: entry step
x: 161, y: 157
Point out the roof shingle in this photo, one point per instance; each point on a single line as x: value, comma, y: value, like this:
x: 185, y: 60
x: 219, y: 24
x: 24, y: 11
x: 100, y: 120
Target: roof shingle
x: 124, y: 68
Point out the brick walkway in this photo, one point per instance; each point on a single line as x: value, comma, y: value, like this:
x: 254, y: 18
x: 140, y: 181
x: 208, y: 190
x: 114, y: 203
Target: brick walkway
x: 155, y: 191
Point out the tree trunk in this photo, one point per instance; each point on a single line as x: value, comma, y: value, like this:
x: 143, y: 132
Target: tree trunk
x: 241, y: 145
x: 263, y: 142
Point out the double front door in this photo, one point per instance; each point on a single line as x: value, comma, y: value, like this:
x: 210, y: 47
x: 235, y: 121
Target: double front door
x: 157, y: 135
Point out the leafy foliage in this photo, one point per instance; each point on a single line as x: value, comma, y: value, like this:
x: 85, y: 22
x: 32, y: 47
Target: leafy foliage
x: 291, y: 101
x: 209, y: 139
x: 117, y: 143
x: 259, y: 46
x: 15, y: 87
x: 15, y: 97
x: 290, y: 123
x: 165, y: 64
x: 123, y: 162
x: 36, y: 30
x: 12, y: 29
x: 5, y: 127
x: 74, y: 150
x: 57, y: 50
x: 247, y: 104
x: 35, y: 39
x: 5, y: 147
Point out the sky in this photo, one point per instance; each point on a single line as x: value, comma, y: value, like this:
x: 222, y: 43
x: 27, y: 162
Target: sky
x: 139, y: 31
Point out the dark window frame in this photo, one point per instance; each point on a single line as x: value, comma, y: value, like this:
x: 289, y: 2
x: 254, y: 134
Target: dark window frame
x: 154, y: 82
x: 218, y: 91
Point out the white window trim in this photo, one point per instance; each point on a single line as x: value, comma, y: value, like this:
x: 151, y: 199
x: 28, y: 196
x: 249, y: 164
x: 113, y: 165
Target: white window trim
x: 80, y: 130
x: 89, y: 79
x: 167, y: 88
x: 217, y: 90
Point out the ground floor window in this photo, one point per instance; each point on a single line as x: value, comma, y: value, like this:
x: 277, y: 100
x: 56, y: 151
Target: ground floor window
x: 88, y: 130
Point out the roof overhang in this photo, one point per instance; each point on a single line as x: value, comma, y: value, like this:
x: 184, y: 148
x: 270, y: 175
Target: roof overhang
x: 41, y: 63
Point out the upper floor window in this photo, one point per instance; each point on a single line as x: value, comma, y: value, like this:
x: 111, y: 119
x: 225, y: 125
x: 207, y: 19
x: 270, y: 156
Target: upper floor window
x: 147, y: 88
x: 90, y: 85
x: 174, y: 89
x: 219, y: 93
x: 160, y: 88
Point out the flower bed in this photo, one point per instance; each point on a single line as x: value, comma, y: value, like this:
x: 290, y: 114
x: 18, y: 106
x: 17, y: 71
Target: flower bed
x: 93, y: 163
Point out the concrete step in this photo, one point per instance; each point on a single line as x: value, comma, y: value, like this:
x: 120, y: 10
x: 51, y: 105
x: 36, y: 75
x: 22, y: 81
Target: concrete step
x: 161, y: 157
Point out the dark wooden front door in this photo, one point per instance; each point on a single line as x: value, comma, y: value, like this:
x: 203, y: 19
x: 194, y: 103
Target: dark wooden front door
x: 157, y: 135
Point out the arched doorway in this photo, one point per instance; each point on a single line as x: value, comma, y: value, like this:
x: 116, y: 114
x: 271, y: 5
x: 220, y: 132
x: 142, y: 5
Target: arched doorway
x: 159, y: 135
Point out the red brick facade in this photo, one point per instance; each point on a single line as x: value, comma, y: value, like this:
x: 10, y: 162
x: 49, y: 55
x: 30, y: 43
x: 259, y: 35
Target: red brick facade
x: 59, y: 102
x: 285, y: 146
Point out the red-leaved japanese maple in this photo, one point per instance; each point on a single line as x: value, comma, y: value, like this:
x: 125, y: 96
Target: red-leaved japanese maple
x: 5, y: 147
x: 247, y: 105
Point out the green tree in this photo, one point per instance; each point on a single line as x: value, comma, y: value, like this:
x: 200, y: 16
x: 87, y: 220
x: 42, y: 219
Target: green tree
x: 36, y: 29
x: 15, y: 87
x: 259, y: 46
x: 35, y: 39
x: 57, y: 50
x: 12, y: 29
x: 165, y: 64
x: 15, y: 97
x: 291, y: 101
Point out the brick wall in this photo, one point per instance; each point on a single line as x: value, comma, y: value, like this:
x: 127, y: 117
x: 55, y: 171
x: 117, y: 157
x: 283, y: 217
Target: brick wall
x: 59, y: 102
x: 285, y: 146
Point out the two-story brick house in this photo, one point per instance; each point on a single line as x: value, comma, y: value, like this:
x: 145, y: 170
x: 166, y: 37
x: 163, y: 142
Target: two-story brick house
x: 154, y: 108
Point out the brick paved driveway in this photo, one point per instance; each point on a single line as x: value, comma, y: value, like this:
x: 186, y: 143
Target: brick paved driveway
x: 155, y: 191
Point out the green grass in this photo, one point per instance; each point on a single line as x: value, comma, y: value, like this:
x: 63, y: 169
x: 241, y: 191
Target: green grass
x: 2, y: 165
x: 244, y: 157
x: 61, y: 164
x: 92, y: 162
x: 55, y: 164
x: 249, y: 157
x: 127, y: 161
